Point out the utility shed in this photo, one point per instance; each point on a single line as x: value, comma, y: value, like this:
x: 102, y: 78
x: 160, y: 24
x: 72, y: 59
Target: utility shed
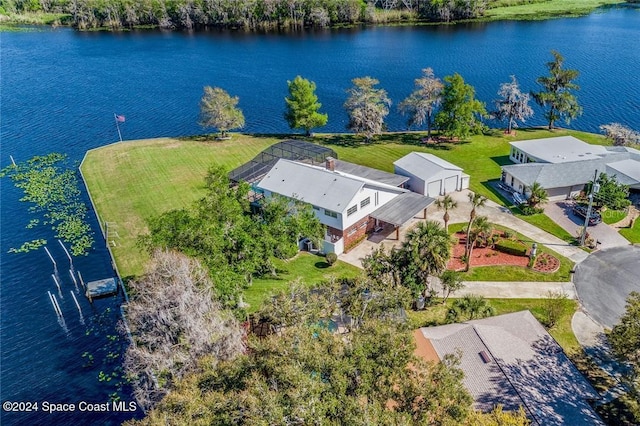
x: 102, y: 288
x: 430, y: 175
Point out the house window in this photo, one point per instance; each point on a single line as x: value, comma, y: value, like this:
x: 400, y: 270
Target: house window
x: 316, y: 208
x: 352, y: 231
x: 365, y: 202
x: 512, y: 181
x: 363, y: 225
x: 330, y: 213
x: 376, y: 198
x: 352, y: 210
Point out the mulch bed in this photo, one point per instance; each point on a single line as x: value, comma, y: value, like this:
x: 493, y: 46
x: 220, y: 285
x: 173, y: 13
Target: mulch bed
x: 482, y: 256
x: 546, y: 263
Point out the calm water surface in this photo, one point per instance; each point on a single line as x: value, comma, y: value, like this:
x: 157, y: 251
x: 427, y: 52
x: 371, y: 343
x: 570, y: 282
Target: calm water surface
x: 60, y: 89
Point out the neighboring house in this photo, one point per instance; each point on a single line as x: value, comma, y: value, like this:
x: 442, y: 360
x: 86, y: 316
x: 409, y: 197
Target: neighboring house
x: 512, y: 360
x: 563, y: 165
x: 350, y: 205
x: 430, y: 175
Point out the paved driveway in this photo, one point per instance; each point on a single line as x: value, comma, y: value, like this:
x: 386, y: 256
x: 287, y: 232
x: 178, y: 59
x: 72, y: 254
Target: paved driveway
x: 605, y: 279
x: 560, y: 212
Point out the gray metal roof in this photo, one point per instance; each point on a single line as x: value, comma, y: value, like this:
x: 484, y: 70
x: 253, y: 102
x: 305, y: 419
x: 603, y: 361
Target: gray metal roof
x: 560, y: 149
x: 425, y: 166
x: 369, y: 173
x: 402, y: 208
x: 526, y: 366
x: 556, y: 175
x: 627, y: 171
x: 312, y: 185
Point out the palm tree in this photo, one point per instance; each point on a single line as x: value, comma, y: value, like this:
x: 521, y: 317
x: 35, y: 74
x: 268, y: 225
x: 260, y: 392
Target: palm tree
x: 482, y: 229
x: 447, y: 203
x: 468, y: 308
x: 476, y: 201
x: 428, y: 247
x: 538, y: 195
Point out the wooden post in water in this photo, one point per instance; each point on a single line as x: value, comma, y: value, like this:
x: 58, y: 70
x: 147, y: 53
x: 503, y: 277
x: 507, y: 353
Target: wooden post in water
x: 12, y: 161
x: 55, y: 266
x: 68, y: 255
x: 81, y: 280
x: 56, y: 281
x: 76, y: 300
x: 73, y: 277
x: 57, y: 306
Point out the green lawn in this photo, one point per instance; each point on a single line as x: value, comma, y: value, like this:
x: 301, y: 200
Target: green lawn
x: 132, y: 181
x: 613, y: 216
x: 632, y: 234
x: 562, y: 331
x: 310, y: 269
x: 516, y: 273
x: 544, y: 9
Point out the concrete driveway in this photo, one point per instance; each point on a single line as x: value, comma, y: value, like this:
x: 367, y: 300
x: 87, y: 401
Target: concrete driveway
x: 604, y: 280
x: 561, y: 213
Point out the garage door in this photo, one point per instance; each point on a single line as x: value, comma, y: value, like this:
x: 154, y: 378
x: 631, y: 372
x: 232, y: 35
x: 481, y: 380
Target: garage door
x: 433, y: 189
x: 450, y: 184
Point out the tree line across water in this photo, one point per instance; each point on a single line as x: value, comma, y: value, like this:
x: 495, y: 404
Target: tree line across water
x: 250, y: 14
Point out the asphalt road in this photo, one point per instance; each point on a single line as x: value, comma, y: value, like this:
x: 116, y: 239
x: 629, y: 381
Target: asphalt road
x: 604, y: 280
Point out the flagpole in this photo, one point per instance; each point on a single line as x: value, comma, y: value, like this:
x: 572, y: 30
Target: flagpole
x: 115, y: 116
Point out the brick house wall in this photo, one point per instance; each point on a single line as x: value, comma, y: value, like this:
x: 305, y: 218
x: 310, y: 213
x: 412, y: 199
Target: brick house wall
x: 357, y: 231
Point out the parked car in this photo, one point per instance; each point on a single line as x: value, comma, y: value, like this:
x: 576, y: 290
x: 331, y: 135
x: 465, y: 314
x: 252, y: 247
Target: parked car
x: 581, y: 211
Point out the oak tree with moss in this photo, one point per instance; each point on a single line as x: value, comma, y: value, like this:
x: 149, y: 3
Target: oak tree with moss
x: 218, y: 109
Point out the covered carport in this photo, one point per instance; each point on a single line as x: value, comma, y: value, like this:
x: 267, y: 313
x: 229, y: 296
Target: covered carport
x: 402, y: 209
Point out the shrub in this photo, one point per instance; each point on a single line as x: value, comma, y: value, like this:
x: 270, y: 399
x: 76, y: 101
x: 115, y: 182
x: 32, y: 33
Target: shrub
x: 528, y: 210
x: 507, y: 234
x: 331, y: 258
x: 512, y: 247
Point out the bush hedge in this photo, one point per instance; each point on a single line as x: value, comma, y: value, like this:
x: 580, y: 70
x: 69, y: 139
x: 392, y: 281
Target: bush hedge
x: 511, y: 247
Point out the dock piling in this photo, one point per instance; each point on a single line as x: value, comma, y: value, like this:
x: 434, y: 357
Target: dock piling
x: 55, y: 266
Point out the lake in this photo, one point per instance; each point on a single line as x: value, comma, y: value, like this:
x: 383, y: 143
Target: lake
x: 60, y: 89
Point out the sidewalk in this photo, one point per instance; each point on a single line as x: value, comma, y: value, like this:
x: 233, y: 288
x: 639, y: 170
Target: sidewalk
x: 516, y: 290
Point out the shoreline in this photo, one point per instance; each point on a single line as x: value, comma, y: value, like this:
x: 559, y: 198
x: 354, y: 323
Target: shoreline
x: 553, y: 9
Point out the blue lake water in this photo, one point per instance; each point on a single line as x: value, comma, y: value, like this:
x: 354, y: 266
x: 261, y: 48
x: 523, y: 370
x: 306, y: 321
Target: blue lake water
x: 60, y: 89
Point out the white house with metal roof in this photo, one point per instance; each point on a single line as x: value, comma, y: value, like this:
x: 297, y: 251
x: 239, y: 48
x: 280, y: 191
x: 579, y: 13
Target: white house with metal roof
x: 431, y: 175
x: 563, y: 165
x: 347, y: 204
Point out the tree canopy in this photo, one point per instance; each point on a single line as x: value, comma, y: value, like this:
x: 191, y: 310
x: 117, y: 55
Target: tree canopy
x: 625, y: 342
x: 556, y: 94
x: 367, y: 107
x: 302, y: 106
x: 218, y: 109
x: 460, y: 113
x: 611, y: 194
x: 621, y: 135
x: 513, y: 105
x: 174, y: 321
x: 423, y: 101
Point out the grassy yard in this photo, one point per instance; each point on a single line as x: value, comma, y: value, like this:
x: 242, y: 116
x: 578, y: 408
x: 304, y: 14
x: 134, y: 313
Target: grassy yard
x: 132, y: 181
x: 308, y: 268
x: 516, y: 273
x: 538, y: 10
x: 562, y: 331
x: 632, y: 234
x: 613, y: 216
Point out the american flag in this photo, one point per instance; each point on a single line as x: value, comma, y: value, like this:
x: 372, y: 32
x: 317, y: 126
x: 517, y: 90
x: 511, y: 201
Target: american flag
x: 120, y: 118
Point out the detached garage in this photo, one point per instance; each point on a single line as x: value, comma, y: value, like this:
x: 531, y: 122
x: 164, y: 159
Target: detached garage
x: 430, y: 175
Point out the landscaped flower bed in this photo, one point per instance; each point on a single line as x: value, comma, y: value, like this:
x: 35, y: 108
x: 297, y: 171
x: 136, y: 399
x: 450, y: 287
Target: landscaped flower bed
x: 482, y: 256
x: 546, y: 263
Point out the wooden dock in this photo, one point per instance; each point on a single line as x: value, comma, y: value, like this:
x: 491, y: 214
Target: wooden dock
x: 102, y: 288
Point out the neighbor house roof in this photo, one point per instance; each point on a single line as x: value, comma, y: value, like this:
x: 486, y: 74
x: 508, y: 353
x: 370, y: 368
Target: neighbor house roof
x: 512, y: 360
x: 369, y: 173
x: 425, y: 166
x: 312, y: 185
x: 556, y: 175
x: 560, y: 149
x: 627, y: 171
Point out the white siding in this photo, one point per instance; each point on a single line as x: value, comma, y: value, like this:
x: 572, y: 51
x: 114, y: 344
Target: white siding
x: 433, y: 189
x: 383, y: 198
